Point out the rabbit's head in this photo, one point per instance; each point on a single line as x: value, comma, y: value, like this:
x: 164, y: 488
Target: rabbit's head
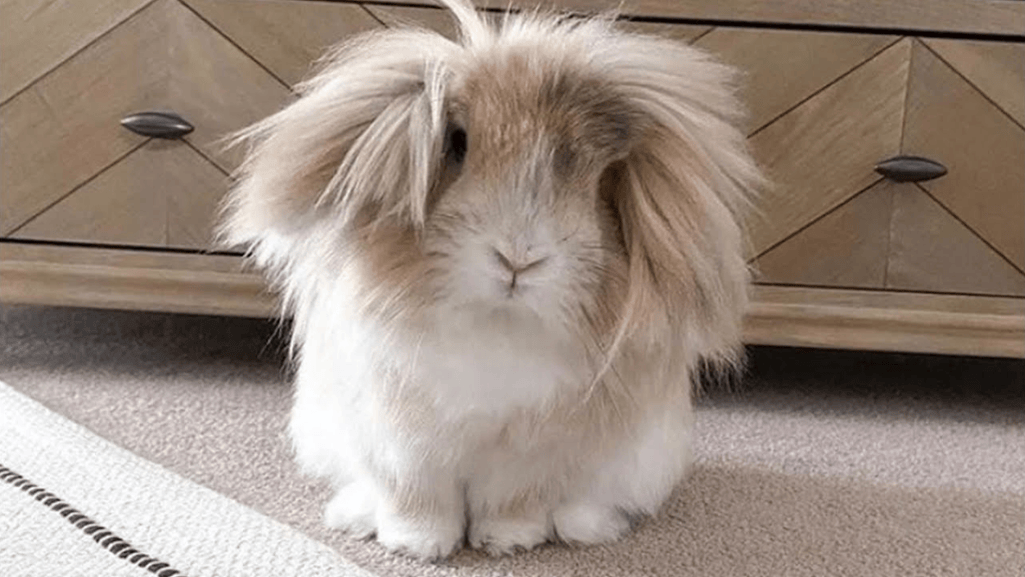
x: 547, y: 167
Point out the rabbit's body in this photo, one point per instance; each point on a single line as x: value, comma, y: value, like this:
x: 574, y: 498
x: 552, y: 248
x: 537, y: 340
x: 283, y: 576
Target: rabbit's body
x: 504, y: 259
x: 483, y: 417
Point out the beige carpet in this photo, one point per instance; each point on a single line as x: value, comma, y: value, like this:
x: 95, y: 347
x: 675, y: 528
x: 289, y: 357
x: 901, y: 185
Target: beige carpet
x: 819, y: 463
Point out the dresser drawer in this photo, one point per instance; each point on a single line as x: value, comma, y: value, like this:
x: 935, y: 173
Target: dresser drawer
x: 72, y: 173
x: 826, y: 108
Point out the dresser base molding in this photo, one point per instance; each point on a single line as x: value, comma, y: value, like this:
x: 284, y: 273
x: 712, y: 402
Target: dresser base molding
x: 887, y: 321
x: 782, y: 316
x: 131, y: 280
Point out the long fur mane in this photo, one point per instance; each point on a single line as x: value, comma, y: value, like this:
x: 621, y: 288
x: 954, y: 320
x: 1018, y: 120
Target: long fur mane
x: 366, y: 136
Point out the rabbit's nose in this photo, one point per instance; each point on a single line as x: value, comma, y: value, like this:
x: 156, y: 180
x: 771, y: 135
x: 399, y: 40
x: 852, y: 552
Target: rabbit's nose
x: 517, y: 267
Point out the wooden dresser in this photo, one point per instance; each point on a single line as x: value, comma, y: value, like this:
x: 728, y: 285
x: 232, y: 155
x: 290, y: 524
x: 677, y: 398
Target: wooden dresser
x: 92, y: 214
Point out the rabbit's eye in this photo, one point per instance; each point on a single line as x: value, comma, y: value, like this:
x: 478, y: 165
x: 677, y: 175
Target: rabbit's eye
x: 455, y: 147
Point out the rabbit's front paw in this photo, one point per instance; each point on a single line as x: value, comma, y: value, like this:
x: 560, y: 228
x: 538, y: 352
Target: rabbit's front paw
x: 503, y: 536
x: 353, y: 510
x: 361, y: 511
x: 428, y: 539
x: 583, y: 523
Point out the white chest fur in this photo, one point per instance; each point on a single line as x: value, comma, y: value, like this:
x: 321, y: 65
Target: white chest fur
x: 492, y: 362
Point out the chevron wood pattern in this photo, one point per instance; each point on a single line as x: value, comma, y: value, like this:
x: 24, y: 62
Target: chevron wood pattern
x: 163, y: 194
x: 948, y: 108
x: 782, y: 68
x: 997, y: 69
x: 218, y: 87
x: 431, y: 18
x: 163, y: 58
x: 984, y: 149
x: 931, y: 251
x: 70, y: 117
x: 846, y: 248
x: 284, y: 35
x: 823, y: 152
x: 66, y: 26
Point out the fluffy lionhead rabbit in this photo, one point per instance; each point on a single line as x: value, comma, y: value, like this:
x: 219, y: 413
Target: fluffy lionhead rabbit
x: 504, y: 258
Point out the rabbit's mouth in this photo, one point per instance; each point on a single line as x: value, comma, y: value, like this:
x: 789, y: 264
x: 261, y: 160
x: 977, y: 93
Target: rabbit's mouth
x: 516, y: 274
x: 531, y: 296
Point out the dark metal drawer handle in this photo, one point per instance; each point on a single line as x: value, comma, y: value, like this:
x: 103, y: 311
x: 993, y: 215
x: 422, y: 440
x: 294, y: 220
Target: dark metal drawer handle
x: 157, y: 124
x: 910, y: 169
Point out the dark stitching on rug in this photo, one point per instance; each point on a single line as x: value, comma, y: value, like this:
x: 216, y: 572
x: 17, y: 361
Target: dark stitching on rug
x: 106, y: 539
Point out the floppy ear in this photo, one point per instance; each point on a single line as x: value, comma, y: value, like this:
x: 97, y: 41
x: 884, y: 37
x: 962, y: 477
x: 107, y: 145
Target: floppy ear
x: 364, y: 137
x: 681, y: 193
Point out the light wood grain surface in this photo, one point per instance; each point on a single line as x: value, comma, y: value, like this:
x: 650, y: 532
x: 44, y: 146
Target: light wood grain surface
x: 164, y: 194
x: 119, y: 279
x: 883, y: 321
x: 984, y: 150
x: 997, y: 69
x: 846, y: 248
x: 782, y: 68
x: 823, y: 152
x: 70, y: 117
x: 65, y: 26
x: 680, y: 32
x: 216, y: 86
x: 931, y: 251
x: 164, y: 58
x: 284, y: 35
x: 434, y: 19
x: 440, y: 21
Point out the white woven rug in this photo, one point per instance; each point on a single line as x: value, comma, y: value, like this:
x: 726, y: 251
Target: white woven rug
x: 72, y: 503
